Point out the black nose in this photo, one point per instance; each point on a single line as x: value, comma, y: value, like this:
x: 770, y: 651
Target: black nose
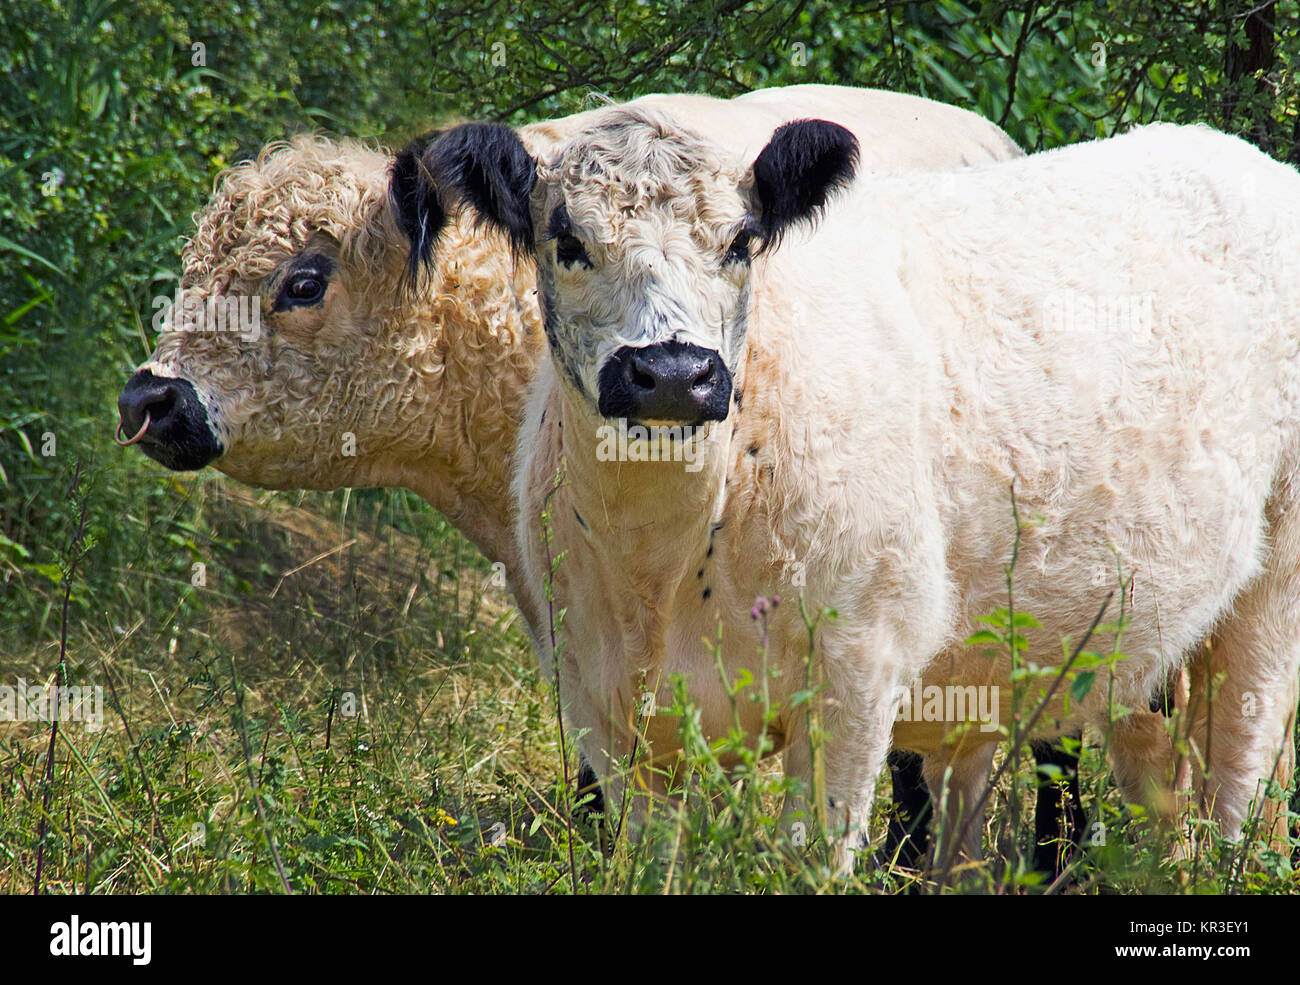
x: 177, y: 434
x: 667, y: 381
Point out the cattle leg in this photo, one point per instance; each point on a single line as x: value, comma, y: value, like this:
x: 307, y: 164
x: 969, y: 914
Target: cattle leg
x: 605, y: 760
x: 589, y: 783
x: 1059, y: 818
x: 956, y: 783
x: 1244, y: 735
x: 1146, y: 764
x: 908, y: 837
x: 862, y: 672
x: 796, y: 810
x: 1246, y: 731
x: 1144, y: 746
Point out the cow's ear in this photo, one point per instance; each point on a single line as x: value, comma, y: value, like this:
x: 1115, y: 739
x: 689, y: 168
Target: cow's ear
x: 796, y: 173
x: 487, y: 166
x: 414, y: 199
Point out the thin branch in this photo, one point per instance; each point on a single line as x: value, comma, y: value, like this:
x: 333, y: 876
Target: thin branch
x: 1026, y: 26
x: 74, y: 555
x: 555, y: 660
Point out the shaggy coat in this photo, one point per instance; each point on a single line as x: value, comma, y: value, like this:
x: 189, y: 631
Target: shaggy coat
x: 1108, y: 329
x: 377, y: 385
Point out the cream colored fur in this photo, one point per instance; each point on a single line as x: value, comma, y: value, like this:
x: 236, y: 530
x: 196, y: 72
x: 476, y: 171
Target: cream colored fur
x: 902, y: 368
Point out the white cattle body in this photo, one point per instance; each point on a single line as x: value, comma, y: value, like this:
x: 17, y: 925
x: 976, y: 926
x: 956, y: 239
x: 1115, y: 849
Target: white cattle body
x: 1111, y: 327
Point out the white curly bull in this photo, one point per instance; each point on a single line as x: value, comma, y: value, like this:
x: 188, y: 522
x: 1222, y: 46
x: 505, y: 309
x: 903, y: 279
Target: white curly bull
x: 1110, y: 328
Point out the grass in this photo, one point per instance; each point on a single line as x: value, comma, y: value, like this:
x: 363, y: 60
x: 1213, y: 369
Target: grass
x: 347, y: 704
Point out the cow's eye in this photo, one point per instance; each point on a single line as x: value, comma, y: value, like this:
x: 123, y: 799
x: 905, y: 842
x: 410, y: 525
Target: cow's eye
x: 304, y: 288
x: 738, y: 251
x: 568, y: 250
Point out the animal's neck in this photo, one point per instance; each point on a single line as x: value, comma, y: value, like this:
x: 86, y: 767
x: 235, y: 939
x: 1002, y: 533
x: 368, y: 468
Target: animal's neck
x: 469, y: 349
x: 627, y: 468
x: 658, y: 515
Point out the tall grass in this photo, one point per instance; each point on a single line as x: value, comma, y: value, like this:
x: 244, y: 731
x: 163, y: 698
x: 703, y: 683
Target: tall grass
x: 378, y: 726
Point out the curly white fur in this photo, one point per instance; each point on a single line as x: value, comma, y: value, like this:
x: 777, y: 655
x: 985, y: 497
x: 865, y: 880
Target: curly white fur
x: 931, y: 345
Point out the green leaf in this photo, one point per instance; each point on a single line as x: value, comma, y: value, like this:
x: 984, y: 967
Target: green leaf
x: 799, y: 697
x: 14, y: 546
x: 51, y: 571
x: 1082, y: 685
x: 8, y: 244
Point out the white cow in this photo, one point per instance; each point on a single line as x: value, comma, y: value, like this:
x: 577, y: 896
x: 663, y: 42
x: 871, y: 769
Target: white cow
x: 866, y: 402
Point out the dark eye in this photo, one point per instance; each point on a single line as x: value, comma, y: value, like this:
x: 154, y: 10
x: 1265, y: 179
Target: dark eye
x: 568, y: 250
x: 304, y: 288
x: 738, y: 251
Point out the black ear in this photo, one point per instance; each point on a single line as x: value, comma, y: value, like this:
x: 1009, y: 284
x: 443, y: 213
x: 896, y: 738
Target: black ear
x: 487, y: 165
x: 416, y: 207
x: 795, y: 174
